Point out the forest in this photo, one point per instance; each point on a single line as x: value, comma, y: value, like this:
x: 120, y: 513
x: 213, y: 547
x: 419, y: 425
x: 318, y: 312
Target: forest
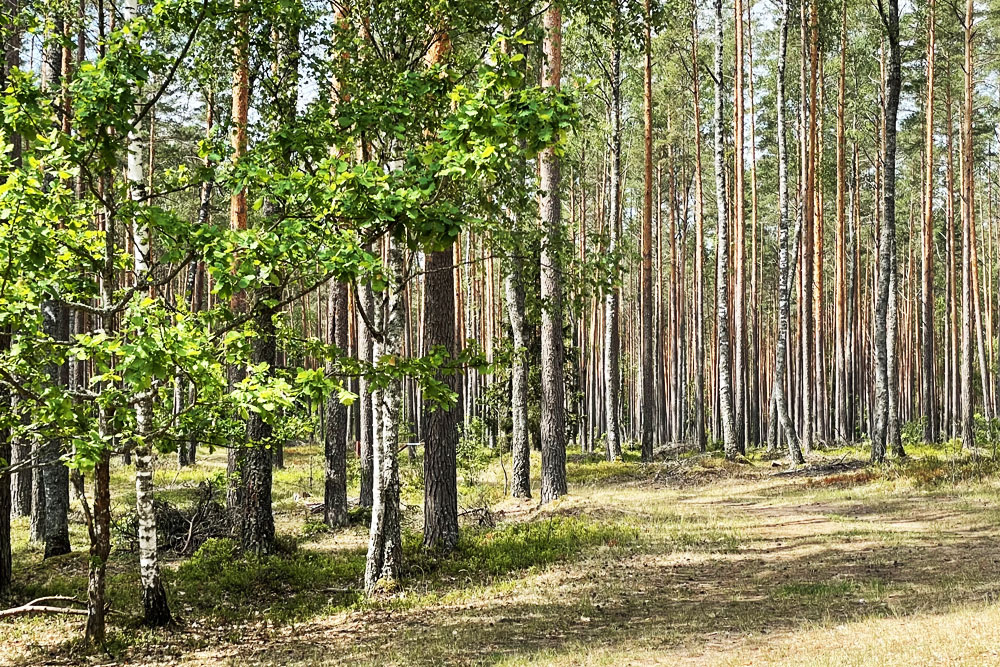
x: 507, y: 332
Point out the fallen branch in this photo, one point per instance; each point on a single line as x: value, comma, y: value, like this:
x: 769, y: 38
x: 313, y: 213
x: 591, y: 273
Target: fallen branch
x: 37, y: 607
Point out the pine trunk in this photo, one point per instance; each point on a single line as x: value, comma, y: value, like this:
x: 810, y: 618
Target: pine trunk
x: 336, y: 436
x: 552, y: 413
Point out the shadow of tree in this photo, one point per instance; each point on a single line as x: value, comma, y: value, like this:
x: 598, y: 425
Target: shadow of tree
x: 582, y: 578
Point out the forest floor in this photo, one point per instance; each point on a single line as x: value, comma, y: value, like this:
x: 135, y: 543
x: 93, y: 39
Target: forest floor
x: 687, y: 561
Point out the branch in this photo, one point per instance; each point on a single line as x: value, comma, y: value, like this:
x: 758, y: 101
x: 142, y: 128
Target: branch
x: 36, y: 607
x: 167, y: 80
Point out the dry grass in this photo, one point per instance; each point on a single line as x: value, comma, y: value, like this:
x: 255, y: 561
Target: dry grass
x: 695, y: 562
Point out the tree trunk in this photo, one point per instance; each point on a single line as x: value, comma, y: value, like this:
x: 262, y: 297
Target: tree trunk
x: 156, y: 612
x: 335, y: 438
x: 553, y: 417
x: 648, y: 333
x: 385, y: 551
x: 100, y: 544
x: 256, y: 516
x: 440, y: 428
x: 699, y: 258
x: 238, y: 212
x: 886, y: 423
x: 968, y: 220
x: 840, y: 332
x: 154, y: 600
x: 612, y: 300
x: 738, y: 234
x: 784, y: 273
x: 365, y: 398
x: 54, y: 476
x: 439, y: 425
x: 927, y: 296
x: 730, y: 444
x: 5, y: 487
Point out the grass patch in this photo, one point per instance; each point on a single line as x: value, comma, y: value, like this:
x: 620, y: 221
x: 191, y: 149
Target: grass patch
x: 218, y: 582
x: 514, y: 547
x: 869, y: 590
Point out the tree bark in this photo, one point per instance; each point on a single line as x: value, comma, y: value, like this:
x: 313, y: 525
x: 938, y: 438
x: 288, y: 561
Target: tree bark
x: 553, y: 415
x: 440, y: 428
x: 648, y: 416
x: 784, y: 273
x: 738, y: 234
x: 699, y: 258
x: 927, y: 295
x: 612, y: 300
x: 730, y: 444
x: 886, y: 423
x: 335, y: 440
x: 385, y: 551
x: 365, y: 398
x: 968, y: 220
x: 439, y: 425
x: 520, y: 445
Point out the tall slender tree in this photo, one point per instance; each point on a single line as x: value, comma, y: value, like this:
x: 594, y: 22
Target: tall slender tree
x: 784, y: 273
x: 553, y: 415
x: 612, y: 300
x: 730, y: 443
x: 968, y: 221
x: 927, y: 293
x: 887, y: 423
x: 648, y: 332
x: 440, y: 426
x: 699, y: 257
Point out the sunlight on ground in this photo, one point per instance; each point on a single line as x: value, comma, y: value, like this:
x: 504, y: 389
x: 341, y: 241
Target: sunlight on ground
x: 694, y: 561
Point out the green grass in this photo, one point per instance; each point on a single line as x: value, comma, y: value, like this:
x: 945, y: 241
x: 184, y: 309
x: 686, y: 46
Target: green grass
x: 816, y: 591
x: 638, y: 562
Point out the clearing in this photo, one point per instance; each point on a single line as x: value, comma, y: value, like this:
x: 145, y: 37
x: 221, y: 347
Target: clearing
x: 689, y: 561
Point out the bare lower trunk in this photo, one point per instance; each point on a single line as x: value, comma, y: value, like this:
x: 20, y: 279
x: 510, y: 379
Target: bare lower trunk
x: 365, y: 419
x: 100, y: 547
x: 887, y: 422
x: 440, y: 426
x: 781, y: 353
x: 553, y: 416
x: 255, y: 514
x: 154, y: 599
x: 699, y: 258
x: 335, y: 438
x: 385, y: 550
x: 730, y: 443
x: 20, y: 487
x: 612, y: 305
x: 520, y: 446
x: 648, y: 333
x: 54, y: 475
